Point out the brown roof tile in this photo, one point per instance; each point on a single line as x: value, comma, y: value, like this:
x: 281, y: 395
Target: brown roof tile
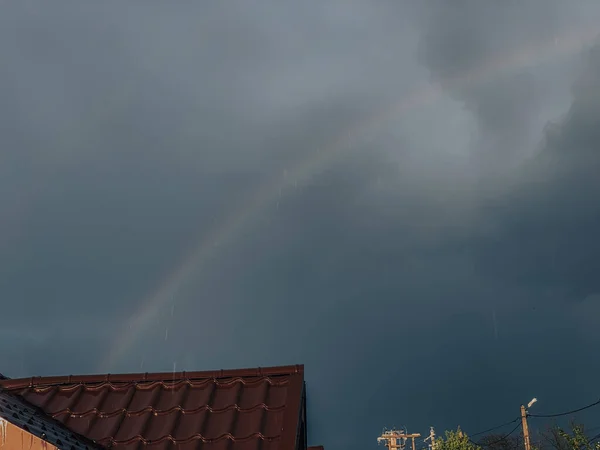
x: 245, y: 409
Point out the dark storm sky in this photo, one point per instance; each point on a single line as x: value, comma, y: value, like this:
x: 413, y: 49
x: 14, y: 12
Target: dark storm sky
x: 440, y: 268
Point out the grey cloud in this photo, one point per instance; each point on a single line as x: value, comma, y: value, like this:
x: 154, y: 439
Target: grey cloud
x: 463, y: 39
x: 407, y: 288
x: 548, y: 222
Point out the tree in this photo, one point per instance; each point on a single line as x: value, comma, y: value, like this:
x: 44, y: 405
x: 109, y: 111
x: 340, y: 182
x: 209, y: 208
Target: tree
x: 456, y: 440
x: 575, y: 439
x: 501, y: 442
x: 553, y: 439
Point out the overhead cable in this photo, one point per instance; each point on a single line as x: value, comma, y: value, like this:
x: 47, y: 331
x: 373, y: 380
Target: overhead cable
x: 597, y: 402
x: 488, y: 444
x: 496, y: 427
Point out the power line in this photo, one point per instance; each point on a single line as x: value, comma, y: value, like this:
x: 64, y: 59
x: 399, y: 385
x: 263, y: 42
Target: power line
x: 597, y: 402
x: 534, y: 415
x: 595, y: 437
x: 496, y: 427
x: 488, y: 444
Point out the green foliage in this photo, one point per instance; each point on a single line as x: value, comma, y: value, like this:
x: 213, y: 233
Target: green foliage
x: 455, y: 440
x: 557, y: 438
x: 576, y: 439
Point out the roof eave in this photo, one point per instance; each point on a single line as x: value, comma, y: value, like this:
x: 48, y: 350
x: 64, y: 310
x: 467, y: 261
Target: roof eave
x: 291, y: 419
x: 20, y: 383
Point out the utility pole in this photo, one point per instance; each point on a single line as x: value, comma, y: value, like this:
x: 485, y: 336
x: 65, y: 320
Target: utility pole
x: 525, y: 428
x: 391, y: 438
x: 431, y: 438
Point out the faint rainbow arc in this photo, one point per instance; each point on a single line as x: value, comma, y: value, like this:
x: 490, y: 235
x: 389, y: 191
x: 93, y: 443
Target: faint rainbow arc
x: 529, y: 55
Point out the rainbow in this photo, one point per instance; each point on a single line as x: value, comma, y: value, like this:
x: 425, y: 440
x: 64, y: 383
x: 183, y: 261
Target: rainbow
x: 207, y: 246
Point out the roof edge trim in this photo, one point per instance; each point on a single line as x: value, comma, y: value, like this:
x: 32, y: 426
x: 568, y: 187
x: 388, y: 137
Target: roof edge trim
x: 291, y: 418
x: 19, y: 383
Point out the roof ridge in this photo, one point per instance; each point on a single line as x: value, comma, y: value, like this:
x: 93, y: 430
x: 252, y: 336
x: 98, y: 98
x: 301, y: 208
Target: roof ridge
x: 19, y: 383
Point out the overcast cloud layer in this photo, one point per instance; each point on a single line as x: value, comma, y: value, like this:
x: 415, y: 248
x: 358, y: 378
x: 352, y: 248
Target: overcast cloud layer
x: 456, y: 232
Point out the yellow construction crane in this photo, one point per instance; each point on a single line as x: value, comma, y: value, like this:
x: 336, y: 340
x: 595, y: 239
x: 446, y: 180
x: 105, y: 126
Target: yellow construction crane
x: 396, y: 440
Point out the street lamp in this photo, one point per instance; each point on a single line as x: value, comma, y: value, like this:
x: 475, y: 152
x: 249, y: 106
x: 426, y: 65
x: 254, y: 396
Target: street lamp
x: 524, y: 423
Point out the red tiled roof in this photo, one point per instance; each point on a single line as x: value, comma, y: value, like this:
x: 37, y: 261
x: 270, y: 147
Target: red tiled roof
x: 245, y: 409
